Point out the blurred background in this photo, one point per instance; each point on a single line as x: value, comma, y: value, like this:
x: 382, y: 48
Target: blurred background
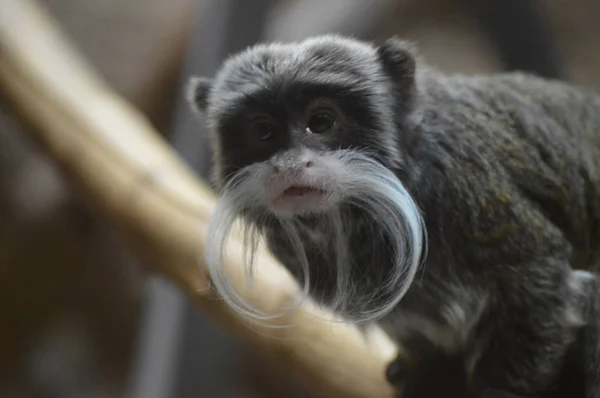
x: 80, y: 317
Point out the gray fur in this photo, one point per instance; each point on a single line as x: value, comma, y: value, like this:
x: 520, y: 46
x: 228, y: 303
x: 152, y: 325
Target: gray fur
x: 506, y: 171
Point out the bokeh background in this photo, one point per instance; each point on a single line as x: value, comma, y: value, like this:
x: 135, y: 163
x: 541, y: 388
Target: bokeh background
x: 80, y: 316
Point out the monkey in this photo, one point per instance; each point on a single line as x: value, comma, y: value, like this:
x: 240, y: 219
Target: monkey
x: 460, y: 213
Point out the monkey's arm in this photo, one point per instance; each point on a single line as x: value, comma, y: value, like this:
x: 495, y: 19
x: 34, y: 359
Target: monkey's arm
x: 519, y: 355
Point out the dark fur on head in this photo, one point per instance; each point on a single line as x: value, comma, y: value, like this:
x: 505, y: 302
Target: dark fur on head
x: 282, y: 78
x: 337, y: 150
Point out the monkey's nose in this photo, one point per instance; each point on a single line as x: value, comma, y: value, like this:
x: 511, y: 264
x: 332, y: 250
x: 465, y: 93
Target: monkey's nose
x: 298, y: 166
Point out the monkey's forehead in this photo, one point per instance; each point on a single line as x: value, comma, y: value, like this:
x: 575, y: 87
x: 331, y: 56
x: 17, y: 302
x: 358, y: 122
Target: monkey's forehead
x: 322, y: 60
x: 320, y: 50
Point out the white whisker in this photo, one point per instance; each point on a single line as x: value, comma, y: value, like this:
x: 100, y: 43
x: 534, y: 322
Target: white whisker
x: 356, y: 180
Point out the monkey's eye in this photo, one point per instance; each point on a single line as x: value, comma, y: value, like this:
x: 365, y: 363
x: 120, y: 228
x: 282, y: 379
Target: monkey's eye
x: 263, y: 129
x: 321, y: 122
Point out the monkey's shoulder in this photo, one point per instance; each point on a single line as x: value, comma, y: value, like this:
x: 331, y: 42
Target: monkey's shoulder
x: 511, y: 161
x: 515, y: 97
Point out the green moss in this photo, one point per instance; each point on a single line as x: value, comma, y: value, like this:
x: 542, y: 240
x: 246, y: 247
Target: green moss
x: 504, y: 198
x: 499, y: 233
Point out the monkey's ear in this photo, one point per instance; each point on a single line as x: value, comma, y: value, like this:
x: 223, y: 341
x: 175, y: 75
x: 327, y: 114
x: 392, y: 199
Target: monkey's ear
x: 397, y: 57
x: 197, y: 93
x: 398, y: 60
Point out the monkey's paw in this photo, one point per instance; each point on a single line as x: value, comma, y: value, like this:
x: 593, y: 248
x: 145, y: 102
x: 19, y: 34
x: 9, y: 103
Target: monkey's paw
x: 430, y: 376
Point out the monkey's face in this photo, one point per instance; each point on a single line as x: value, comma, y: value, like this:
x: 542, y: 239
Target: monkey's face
x: 286, y: 111
x: 298, y: 130
x: 290, y: 146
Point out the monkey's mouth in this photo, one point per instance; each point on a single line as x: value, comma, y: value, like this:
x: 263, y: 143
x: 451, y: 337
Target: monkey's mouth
x: 301, y: 190
x: 302, y: 199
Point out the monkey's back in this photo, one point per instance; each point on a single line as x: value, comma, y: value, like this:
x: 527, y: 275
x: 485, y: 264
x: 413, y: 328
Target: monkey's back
x: 515, y: 164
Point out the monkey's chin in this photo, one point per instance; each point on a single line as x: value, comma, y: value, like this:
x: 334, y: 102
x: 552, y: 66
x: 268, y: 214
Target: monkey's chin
x: 303, y: 201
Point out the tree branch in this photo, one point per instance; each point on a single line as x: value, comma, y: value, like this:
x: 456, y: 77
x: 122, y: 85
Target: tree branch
x: 125, y: 171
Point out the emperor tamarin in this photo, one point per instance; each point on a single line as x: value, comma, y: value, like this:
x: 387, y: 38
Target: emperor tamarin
x: 459, y: 211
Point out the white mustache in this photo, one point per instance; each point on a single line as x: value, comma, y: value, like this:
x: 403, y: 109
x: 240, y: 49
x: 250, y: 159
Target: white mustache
x: 357, y: 180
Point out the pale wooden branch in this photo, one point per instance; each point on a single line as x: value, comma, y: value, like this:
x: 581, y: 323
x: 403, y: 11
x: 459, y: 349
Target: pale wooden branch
x: 110, y: 154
